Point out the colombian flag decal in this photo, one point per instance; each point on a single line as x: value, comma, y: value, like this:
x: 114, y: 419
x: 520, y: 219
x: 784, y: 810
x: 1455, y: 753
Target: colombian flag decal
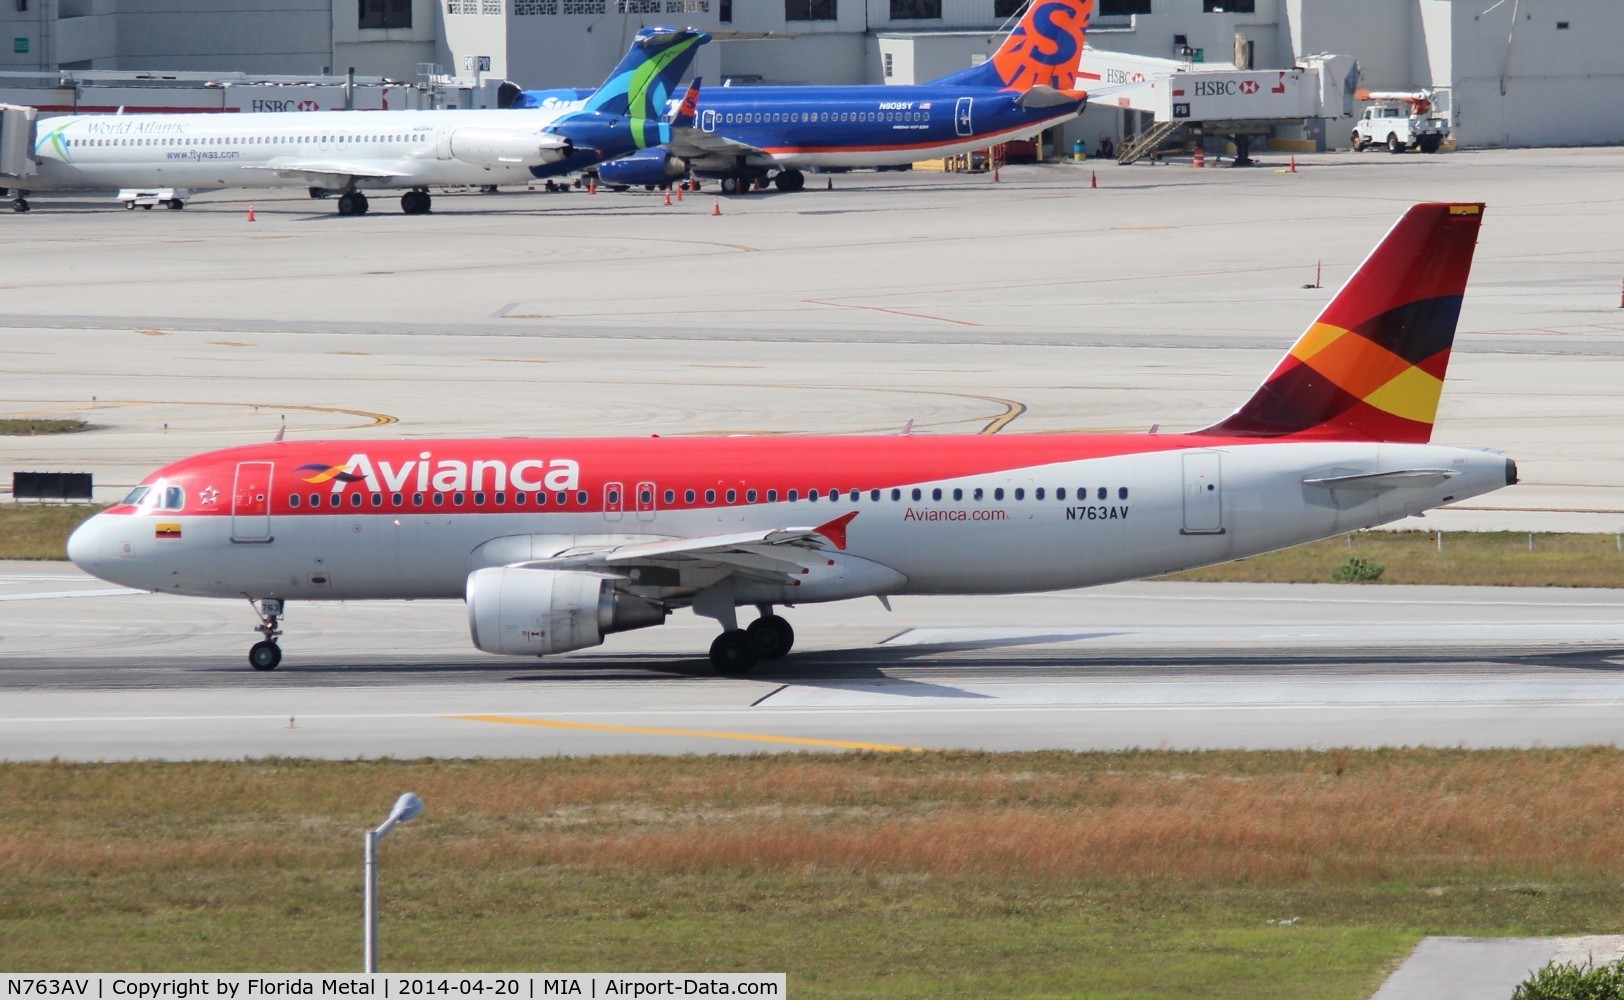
x: 166, y: 531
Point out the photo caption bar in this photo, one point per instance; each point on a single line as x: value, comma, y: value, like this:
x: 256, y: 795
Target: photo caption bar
x: 391, y: 986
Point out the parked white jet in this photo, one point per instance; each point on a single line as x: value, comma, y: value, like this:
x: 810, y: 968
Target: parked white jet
x: 343, y: 152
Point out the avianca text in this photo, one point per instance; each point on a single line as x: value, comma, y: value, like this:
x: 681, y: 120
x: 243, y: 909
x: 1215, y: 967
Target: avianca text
x: 449, y: 474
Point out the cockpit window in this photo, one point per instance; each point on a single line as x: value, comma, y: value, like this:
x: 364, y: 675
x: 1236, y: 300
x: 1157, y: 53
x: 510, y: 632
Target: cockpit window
x: 174, y: 498
x: 136, y: 494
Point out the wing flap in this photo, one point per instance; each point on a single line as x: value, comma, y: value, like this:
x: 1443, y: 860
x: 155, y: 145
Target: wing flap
x: 315, y: 169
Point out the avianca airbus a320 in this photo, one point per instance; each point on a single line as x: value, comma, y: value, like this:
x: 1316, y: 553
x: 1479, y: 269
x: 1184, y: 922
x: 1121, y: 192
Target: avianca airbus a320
x: 556, y: 543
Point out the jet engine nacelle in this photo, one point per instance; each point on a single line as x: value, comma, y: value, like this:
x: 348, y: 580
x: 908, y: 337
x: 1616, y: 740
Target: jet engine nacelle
x: 488, y: 147
x: 646, y: 166
x: 533, y: 612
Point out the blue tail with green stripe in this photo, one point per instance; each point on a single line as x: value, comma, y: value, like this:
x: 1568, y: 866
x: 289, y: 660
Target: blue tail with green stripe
x: 624, y: 115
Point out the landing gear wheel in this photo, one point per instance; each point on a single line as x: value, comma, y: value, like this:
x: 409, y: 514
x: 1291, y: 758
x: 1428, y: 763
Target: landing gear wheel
x: 19, y: 204
x: 264, y: 655
x: 734, y: 653
x: 352, y: 203
x: 790, y: 180
x: 1393, y: 145
x: 730, y: 184
x: 772, y: 635
x: 417, y: 202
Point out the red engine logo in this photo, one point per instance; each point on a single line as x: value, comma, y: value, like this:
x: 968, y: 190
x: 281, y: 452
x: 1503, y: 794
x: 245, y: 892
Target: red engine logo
x: 1249, y: 86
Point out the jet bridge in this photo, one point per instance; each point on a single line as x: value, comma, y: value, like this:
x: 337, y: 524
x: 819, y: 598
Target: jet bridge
x: 1238, y: 104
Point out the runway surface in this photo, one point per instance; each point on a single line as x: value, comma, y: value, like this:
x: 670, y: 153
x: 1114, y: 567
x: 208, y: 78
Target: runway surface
x: 946, y: 302
x: 1036, y: 304
x: 91, y: 674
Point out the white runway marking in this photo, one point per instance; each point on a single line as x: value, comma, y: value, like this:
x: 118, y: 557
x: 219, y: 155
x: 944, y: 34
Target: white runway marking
x: 51, y: 595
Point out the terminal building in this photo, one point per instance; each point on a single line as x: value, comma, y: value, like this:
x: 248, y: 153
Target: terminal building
x: 1510, y: 72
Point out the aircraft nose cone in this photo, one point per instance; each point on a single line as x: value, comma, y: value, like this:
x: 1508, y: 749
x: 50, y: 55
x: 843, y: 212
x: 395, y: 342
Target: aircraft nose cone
x: 84, y: 546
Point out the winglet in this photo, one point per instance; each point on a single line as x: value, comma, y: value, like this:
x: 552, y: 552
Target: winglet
x: 835, y: 530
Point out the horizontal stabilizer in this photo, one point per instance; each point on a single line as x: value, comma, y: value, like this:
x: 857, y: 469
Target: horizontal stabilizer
x: 1049, y: 97
x: 1383, y: 481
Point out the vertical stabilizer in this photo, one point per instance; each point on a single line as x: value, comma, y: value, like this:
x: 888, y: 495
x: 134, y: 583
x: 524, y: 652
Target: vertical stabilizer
x: 642, y: 85
x: 1372, y: 366
x: 1042, y: 51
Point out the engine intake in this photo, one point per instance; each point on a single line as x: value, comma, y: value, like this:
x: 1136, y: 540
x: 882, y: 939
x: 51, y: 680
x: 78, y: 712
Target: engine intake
x: 533, y: 612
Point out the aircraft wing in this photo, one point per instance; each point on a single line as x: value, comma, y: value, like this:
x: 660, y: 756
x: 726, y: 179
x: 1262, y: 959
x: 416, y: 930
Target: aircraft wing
x: 320, y: 170
x: 691, y: 144
x: 770, y: 554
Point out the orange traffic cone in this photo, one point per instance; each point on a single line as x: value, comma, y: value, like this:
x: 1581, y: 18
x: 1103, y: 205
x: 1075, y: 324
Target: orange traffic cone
x: 1293, y: 163
x: 679, y: 190
x: 1200, y: 158
x: 592, y: 186
x: 668, y: 198
x: 1093, y: 179
x: 250, y: 211
x: 717, y: 210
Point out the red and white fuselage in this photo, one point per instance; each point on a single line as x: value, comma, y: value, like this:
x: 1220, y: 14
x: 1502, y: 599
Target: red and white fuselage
x: 555, y: 543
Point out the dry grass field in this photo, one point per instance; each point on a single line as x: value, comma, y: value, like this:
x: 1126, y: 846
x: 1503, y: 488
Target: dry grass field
x: 39, y: 530
x: 1484, y: 558
x: 1041, y: 874
x: 1500, y: 559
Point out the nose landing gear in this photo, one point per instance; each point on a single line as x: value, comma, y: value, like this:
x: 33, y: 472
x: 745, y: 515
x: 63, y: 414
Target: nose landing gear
x: 266, y: 654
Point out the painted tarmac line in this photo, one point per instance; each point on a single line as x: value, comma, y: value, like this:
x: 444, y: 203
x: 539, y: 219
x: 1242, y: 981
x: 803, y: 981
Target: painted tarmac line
x: 511, y: 720
x: 54, y: 595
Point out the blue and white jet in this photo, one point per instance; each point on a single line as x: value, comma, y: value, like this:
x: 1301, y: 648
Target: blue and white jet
x: 747, y: 135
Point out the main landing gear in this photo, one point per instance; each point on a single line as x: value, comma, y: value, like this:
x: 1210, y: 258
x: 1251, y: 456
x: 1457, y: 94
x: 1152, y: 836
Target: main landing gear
x: 266, y: 654
x: 737, y: 651
x: 19, y: 203
x: 415, y: 202
x: 352, y: 203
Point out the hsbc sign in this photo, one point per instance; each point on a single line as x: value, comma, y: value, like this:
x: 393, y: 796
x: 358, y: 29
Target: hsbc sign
x: 1219, y: 96
x: 274, y: 104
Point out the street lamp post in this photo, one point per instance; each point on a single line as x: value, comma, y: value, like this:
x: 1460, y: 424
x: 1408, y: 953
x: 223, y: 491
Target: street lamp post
x: 407, y: 807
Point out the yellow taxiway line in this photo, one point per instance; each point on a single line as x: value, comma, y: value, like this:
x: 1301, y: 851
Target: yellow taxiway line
x: 512, y: 720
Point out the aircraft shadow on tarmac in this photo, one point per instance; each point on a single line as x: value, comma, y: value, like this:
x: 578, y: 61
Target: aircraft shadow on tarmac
x: 1025, y: 658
